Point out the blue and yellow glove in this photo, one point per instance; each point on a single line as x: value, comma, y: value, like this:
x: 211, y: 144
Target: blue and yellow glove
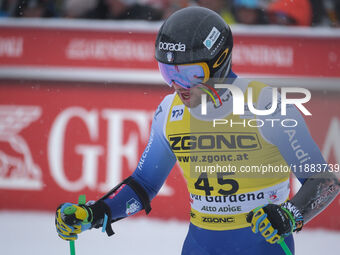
x: 72, y: 219
x: 275, y: 221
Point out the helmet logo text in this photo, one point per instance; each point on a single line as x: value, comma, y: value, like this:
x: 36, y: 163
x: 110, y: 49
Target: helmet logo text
x: 172, y: 46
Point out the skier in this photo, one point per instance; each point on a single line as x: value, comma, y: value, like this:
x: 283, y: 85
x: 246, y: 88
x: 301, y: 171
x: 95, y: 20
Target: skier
x: 193, y: 50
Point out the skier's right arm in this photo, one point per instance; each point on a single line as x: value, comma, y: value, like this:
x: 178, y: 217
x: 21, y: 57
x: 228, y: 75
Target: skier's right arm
x: 135, y: 192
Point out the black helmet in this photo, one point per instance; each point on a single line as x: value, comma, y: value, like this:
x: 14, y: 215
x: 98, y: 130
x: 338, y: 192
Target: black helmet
x: 196, y: 34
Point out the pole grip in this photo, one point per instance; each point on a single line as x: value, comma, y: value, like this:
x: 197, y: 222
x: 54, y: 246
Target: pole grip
x: 81, y: 201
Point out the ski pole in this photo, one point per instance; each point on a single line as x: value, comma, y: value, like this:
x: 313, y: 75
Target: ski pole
x: 70, y: 210
x: 284, y: 246
x: 282, y: 242
x: 72, y: 248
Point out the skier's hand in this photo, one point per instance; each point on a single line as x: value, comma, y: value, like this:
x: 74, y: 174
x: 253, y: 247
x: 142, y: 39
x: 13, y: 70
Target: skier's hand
x: 72, y: 219
x: 275, y: 221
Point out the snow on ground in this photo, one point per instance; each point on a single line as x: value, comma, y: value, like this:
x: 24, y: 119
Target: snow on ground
x: 34, y: 233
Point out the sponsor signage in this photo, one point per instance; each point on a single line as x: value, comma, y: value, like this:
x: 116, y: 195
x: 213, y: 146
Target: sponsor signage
x: 73, y: 45
x: 57, y: 142
x: 168, y: 46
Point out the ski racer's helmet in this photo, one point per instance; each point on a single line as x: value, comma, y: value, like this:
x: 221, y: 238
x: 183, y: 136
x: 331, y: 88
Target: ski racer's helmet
x: 194, y: 44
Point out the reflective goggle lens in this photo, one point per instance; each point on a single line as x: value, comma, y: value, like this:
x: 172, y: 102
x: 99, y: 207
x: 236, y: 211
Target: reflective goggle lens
x: 186, y: 76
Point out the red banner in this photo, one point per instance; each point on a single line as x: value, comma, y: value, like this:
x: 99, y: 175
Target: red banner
x: 309, y: 52
x: 59, y: 141
x: 76, y: 48
x: 287, y: 55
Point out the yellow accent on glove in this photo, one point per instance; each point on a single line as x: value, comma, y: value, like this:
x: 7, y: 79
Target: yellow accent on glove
x: 79, y: 215
x: 260, y: 223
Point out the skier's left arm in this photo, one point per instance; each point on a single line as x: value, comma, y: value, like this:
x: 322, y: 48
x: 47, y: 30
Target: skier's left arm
x: 301, y: 153
x: 319, y: 189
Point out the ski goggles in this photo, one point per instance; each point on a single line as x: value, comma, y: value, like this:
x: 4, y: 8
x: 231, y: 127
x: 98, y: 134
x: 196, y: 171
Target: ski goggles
x: 187, y: 75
